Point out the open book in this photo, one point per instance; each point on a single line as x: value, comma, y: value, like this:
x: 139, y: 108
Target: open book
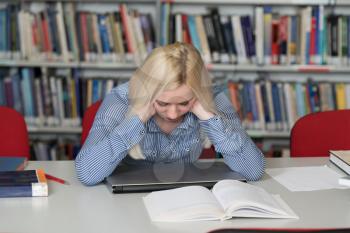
x: 227, y: 199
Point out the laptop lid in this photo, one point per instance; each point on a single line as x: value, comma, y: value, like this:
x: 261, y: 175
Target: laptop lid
x: 146, y: 178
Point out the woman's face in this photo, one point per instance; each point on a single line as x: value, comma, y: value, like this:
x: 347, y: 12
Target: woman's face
x: 172, y: 105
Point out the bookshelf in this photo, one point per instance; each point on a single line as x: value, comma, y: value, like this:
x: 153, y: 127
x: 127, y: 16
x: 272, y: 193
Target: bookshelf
x: 92, y: 65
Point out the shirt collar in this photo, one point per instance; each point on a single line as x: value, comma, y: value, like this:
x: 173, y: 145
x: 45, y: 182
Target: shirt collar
x: 188, y: 122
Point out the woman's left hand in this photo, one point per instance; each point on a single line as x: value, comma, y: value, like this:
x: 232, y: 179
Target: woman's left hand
x: 198, y: 110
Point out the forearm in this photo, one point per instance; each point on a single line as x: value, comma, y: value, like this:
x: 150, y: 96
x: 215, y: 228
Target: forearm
x: 238, y: 150
x: 104, y: 150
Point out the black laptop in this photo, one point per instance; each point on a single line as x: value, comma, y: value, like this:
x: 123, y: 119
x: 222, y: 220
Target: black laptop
x: 160, y: 176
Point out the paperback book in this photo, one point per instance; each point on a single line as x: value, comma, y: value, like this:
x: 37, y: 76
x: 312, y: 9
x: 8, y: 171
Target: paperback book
x: 25, y: 183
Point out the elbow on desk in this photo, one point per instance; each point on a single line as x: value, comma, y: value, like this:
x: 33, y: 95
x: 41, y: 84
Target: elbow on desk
x: 257, y: 175
x: 86, y: 181
x: 258, y: 172
x: 251, y: 172
x: 84, y: 176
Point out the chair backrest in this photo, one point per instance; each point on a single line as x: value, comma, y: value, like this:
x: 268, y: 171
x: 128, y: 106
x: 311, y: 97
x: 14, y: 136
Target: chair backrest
x: 88, y: 120
x: 13, y: 134
x: 317, y: 133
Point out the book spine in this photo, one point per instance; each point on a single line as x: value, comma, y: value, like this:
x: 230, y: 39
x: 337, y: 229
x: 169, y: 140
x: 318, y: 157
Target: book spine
x: 16, y: 191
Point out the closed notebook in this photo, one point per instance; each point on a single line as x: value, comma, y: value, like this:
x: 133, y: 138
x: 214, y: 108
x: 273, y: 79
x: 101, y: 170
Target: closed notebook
x: 12, y: 163
x: 26, y: 183
x: 341, y: 158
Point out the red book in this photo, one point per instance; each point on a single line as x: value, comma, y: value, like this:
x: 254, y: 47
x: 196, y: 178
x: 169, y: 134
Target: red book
x: 84, y: 34
x: 127, y: 30
x: 233, y: 91
x: 312, y: 50
x: 45, y: 29
x: 185, y: 29
x: 275, y: 42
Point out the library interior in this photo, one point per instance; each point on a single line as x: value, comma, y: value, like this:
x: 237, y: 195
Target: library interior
x: 284, y: 67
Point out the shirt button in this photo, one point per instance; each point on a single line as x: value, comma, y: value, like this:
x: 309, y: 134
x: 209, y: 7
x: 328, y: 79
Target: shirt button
x: 197, y: 140
x: 153, y: 153
x: 216, y: 118
x: 142, y: 132
x: 187, y: 149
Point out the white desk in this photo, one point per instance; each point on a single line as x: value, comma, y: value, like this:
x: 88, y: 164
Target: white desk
x: 76, y: 208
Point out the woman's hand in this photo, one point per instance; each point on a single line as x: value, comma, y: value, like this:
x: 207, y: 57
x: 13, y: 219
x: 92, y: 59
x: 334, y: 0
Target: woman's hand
x: 198, y: 110
x: 146, y: 112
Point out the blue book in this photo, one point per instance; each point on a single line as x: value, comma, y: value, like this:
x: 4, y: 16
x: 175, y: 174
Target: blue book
x: 95, y: 91
x: 315, y: 14
x: 25, y: 183
x: 16, y: 89
x: 27, y: 92
x: 193, y: 32
x: 102, y: 25
x: 265, y: 102
x: 3, y: 30
x: 12, y: 163
x: 276, y: 103
x: 300, y: 96
x: 2, y: 91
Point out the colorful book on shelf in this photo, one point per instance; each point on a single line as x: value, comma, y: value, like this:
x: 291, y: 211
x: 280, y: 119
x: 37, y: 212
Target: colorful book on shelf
x: 227, y: 199
x: 25, y: 183
x: 341, y: 158
x: 12, y: 163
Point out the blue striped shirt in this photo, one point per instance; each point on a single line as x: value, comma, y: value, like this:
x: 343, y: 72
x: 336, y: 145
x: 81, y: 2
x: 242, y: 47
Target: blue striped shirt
x: 113, y: 134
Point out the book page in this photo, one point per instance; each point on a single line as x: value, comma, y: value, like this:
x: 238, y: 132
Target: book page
x: 245, y: 200
x: 183, y: 204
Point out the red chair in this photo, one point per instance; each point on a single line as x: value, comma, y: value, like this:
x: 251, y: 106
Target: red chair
x: 89, y: 117
x: 317, y: 133
x: 14, y: 140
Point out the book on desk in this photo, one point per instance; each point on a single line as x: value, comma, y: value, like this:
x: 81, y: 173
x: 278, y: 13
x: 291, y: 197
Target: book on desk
x: 341, y: 158
x: 228, y: 198
x: 25, y: 183
x: 11, y: 163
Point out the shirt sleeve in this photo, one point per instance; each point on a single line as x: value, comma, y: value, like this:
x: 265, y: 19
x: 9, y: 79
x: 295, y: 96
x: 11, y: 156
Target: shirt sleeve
x: 229, y: 138
x: 110, y: 137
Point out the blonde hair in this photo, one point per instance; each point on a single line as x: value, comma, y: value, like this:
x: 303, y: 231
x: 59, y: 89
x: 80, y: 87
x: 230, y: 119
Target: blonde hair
x: 167, y: 68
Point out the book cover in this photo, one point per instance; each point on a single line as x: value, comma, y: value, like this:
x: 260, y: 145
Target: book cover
x: 341, y: 158
x: 26, y: 183
x: 11, y: 163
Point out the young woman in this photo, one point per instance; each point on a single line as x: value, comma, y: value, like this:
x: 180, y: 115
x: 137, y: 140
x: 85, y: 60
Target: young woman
x: 167, y: 112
